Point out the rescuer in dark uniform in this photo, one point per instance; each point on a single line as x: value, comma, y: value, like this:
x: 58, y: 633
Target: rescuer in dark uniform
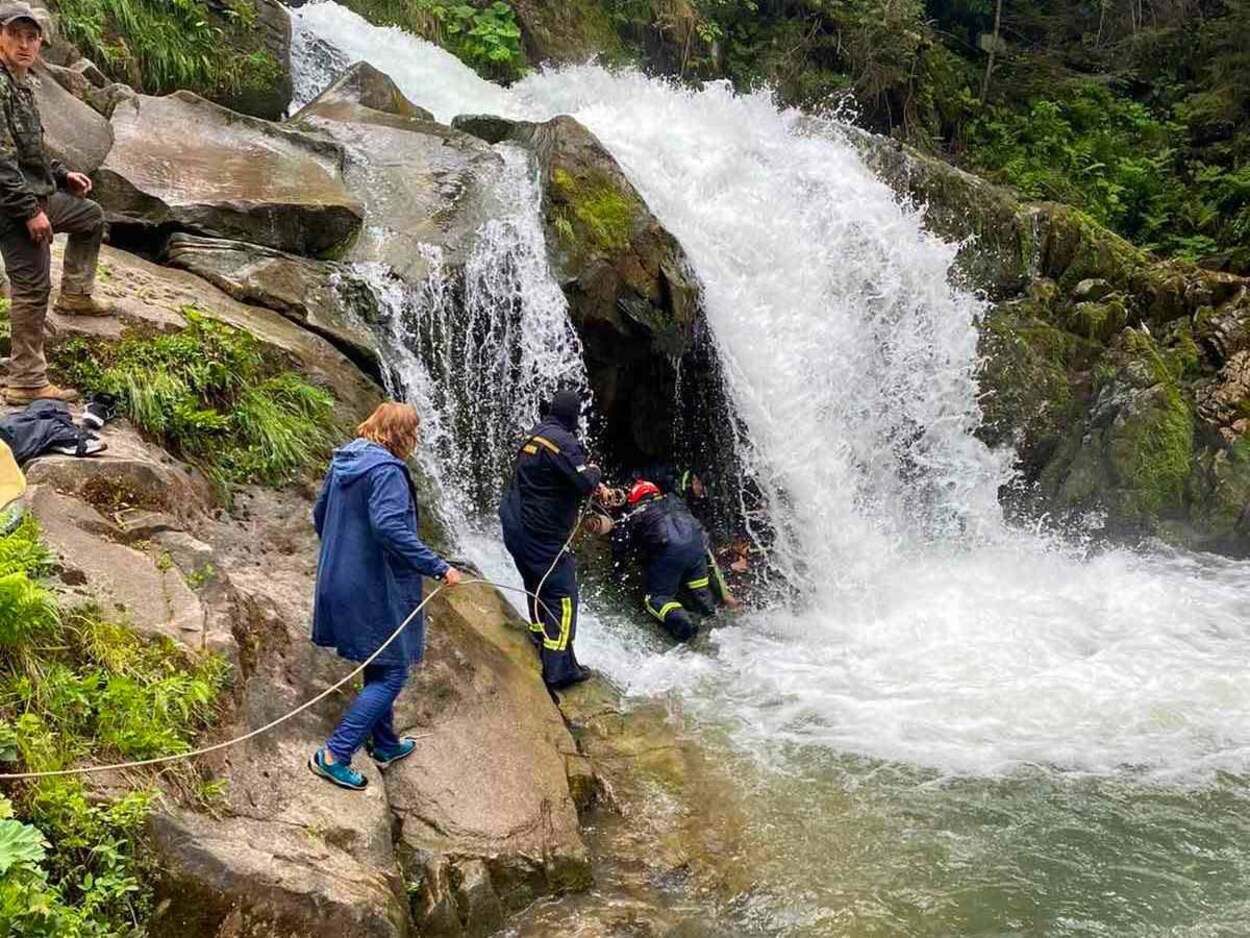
x: 538, y: 513
x: 672, y: 547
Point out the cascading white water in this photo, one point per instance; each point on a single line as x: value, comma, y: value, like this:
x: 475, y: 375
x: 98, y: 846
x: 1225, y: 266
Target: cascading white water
x: 480, y: 352
x: 959, y: 727
x: 929, y: 632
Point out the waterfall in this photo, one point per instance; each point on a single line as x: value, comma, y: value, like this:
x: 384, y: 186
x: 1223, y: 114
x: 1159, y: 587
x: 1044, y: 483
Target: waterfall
x: 927, y: 630
x: 479, y: 349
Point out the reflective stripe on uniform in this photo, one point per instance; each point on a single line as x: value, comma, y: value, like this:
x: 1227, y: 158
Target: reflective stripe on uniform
x: 700, y: 584
x: 663, y: 611
x: 545, y: 443
x: 536, y: 626
x: 566, y: 626
x: 721, y: 585
x: 530, y: 449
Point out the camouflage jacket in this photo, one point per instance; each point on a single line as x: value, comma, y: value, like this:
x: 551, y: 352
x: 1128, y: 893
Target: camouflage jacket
x: 27, y: 174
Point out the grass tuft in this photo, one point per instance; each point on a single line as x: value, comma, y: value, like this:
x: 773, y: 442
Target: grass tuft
x: 213, y: 396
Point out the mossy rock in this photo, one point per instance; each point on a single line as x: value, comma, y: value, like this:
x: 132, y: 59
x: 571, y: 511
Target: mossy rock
x: 1133, y: 454
x: 1151, y: 452
x: 566, y: 32
x: 1098, y: 321
x: 631, y: 291
x: 592, y: 213
x: 1220, y: 488
x: 1029, y: 382
x: 1075, y: 248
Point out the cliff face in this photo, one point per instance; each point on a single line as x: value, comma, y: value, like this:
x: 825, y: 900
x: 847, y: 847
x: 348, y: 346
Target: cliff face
x: 1119, y: 379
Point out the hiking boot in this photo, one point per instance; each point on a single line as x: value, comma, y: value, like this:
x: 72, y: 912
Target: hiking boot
x: 582, y: 673
x: 100, y: 409
x: 337, y: 773
x: 81, y: 304
x: 384, y: 756
x: 49, y: 392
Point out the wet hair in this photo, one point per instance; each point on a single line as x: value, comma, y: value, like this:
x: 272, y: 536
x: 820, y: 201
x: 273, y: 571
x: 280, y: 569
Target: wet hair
x: 394, y: 426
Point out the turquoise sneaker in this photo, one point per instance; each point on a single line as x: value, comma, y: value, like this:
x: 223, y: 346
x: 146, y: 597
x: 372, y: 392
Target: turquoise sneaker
x: 386, y: 756
x: 338, y: 773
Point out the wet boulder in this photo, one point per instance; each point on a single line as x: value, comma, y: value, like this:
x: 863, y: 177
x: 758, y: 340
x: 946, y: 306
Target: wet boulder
x: 484, y: 837
x: 632, y: 294
x: 315, y: 294
x: 226, y: 175
x: 421, y: 184
x: 73, y: 132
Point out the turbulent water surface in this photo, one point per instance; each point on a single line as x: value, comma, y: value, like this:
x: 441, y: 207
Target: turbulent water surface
x: 958, y: 728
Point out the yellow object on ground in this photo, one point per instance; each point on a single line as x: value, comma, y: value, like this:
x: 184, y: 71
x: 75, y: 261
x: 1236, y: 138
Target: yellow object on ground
x: 12, y: 482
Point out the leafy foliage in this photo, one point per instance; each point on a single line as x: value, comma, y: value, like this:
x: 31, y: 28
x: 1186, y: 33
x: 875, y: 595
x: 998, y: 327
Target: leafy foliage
x: 1137, y: 113
x: 485, y: 36
x: 72, y: 866
x: 212, y: 395
x: 163, y: 45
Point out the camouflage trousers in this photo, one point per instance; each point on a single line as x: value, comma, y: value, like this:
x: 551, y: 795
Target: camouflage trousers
x: 29, y: 266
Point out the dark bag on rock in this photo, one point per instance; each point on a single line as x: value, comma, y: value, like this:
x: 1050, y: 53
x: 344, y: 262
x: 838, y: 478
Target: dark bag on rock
x: 46, y: 426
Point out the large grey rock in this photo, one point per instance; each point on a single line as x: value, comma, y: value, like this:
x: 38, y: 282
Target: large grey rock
x: 363, y: 86
x: 513, y: 812
x: 73, y: 133
x: 306, y: 291
x: 421, y: 183
x: 632, y: 294
x: 183, y: 163
x: 155, y: 297
x: 129, y: 585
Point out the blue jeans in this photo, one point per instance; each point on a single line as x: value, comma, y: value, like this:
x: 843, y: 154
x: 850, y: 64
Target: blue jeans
x: 372, y: 712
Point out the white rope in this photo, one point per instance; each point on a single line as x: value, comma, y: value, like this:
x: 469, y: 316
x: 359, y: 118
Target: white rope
x: 217, y: 747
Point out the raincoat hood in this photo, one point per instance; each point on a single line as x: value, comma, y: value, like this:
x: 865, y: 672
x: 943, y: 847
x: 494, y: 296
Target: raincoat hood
x: 358, y: 458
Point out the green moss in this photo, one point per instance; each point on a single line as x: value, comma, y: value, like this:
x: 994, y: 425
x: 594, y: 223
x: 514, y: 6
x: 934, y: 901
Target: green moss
x: 211, y: 394
x: 485, y: 36
x: 1079, y: 248
x: 1098, y: 321
x: 595, y: 210
x: 1220, y: 488
x: 1028, y: 382
x: 1152, y: 455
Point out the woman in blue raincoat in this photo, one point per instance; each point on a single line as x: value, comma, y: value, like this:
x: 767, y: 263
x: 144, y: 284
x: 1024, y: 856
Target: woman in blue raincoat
x: 369, y: 579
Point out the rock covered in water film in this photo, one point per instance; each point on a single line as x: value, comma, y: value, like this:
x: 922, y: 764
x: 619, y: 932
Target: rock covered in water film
x: 226, y: 175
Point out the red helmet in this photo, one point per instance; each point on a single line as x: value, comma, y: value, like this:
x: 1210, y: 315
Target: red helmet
x: 641, y: 489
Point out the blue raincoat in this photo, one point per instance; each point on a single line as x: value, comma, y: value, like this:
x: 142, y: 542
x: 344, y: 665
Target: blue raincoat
x: 372, y: 561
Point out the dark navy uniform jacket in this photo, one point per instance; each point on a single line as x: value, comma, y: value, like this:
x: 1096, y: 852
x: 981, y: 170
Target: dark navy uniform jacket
x: 656, y: 527
x: 540, y: 506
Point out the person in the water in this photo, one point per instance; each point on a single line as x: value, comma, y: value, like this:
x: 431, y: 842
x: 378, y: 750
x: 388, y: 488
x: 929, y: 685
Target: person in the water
x: 671, y: 545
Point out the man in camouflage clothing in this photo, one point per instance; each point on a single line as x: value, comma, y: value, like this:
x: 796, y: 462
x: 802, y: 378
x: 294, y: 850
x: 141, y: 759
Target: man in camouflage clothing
x: 38, y: 197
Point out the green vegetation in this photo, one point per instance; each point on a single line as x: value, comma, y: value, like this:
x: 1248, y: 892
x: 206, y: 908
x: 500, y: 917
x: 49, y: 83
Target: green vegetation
x: 485, y: 36
x: 1139, y: 114
x: 160, y: 46
x: 213, y: 395
x: 597, y: 207
x: 76, y: 686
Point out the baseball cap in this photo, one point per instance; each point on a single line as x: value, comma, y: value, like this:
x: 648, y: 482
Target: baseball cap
x: 12, y: 12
